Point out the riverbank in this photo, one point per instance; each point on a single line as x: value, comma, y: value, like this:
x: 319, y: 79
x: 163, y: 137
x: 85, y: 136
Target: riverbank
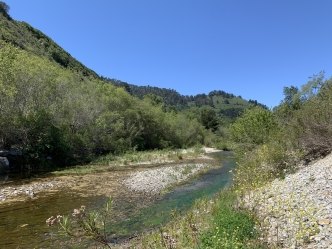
x: 133, y: 212
x: 296, y: 212
x: 211, y: 223
x: 153, y: 181
x: 137, y: 176
x: 25, y: 191
x: 187, y: 206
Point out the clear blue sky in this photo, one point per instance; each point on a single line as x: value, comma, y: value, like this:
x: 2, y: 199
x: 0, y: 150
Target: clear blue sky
x: 249, y: 48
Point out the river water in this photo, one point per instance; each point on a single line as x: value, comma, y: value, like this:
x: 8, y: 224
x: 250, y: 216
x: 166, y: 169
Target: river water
x: 22, y: 224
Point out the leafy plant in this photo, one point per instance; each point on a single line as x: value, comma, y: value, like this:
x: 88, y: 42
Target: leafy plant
x: 82, y: 224
x: 254, y: 127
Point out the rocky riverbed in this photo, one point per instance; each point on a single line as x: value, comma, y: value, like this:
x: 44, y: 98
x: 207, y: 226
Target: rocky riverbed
x: 28, y: 190
x: 153, y: 181
x: 296, y: 212
x: 144, y: 178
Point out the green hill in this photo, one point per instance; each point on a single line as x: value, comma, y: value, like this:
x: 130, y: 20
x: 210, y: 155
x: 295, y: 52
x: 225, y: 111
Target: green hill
x: 22, y: 35
x: 226, y: 105
x: 59, y: 112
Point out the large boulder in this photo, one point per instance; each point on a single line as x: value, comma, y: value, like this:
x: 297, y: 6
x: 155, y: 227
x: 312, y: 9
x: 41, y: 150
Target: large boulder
x: 4, y: 164
x: 15, y: 158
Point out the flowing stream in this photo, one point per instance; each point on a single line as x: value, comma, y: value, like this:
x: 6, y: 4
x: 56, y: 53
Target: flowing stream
x: 22, y: 224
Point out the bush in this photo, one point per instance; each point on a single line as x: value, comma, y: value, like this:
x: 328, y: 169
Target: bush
x: 254, y: 127
x: 312, y: 124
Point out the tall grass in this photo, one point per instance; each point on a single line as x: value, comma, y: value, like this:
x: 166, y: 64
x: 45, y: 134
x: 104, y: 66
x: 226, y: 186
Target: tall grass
x: 133, y: 158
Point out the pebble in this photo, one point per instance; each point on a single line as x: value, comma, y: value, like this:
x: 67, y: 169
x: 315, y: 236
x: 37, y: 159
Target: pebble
x: 296, y: 212
x: 153, y: 181
x: 28, y: 190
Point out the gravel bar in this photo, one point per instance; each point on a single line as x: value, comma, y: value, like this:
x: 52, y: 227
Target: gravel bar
x: 27, y: 190
x: 296, y: 212
x: 153, y: 181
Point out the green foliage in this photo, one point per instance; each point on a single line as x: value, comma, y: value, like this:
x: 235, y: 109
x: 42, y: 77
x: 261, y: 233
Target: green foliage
x: 211, y: 223
x: 231, y: 228
x: 305, y: 116
x: 299, y: 129
x: 51, y: 104
x: 43, y: 140
x: 311, y: 125
x: 225, y: 105
x: 53, y: 113
x: 85, y: 225
x: 255, y: 126
x: 209, y: 119
x: 30, y: 39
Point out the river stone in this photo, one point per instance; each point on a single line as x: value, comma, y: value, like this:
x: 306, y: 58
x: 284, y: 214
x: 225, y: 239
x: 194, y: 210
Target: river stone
x: 323, y: 222
x: 300, y: 205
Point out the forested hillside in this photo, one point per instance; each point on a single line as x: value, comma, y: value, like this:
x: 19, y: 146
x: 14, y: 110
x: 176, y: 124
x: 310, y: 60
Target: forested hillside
x: 226, y: 105
x: 51, y: 112
x: 22, y: 35
x: 56, y: 115
x: 58, y: 112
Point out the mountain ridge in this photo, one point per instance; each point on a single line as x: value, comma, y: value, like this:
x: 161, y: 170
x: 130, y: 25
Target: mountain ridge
x: 26, y: 37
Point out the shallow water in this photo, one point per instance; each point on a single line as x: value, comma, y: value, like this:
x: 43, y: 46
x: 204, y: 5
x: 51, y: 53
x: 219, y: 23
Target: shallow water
x: 180, y: 199
x: 22, y: 224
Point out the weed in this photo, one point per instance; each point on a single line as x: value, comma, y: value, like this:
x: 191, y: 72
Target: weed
x: 211, y: 224
x: 85, y: 225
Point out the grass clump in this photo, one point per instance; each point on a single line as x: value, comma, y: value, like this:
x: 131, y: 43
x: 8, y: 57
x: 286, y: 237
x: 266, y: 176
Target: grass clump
x: 232, y: 228
x: 148, y: 157
x: 133, y: 158
x: 216, y: 223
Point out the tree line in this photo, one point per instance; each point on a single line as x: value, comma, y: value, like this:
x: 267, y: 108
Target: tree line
x: 57, y: 117
x: 271, y: 143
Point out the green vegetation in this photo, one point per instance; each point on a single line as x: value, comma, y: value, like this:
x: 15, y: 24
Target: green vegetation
x: 85, y: 225
x: 297, y: 130
x: 226, y: 106
x: 131, y: 158
x: 4, y: 9
x: 59, y: 113
x: 215, y: 223
x: 211, y: 223
x: 233, y: 228
x: 268, y: 144
x: 57, y: 117
x: 254, y: 127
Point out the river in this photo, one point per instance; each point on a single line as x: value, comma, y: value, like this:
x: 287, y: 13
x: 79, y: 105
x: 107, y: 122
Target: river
x: 22, y: 224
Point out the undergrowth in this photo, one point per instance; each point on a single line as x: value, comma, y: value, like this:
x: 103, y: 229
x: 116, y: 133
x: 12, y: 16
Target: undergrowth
x: 216, y: 223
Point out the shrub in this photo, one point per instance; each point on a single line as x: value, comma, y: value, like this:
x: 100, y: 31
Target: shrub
x: 85, y: 225
x: 254, y: 127
x: 313, y: 123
